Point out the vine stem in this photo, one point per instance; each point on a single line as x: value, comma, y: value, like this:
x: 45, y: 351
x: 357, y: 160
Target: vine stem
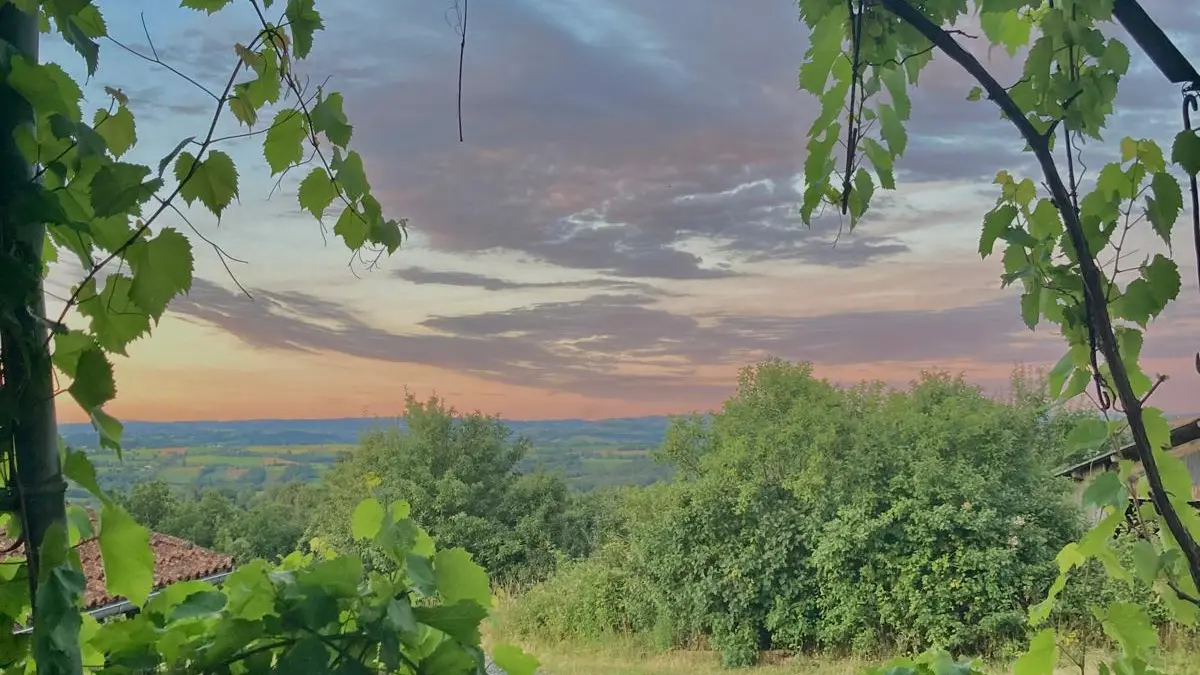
x: 1094, y: 296
x: 164, y: 204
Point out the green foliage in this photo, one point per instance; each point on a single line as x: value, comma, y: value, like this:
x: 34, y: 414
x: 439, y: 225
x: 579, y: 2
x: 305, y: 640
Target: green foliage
x: 1066, y: 248
x: 315, y: 611
x: 814, y: 517
x: 460, y: 476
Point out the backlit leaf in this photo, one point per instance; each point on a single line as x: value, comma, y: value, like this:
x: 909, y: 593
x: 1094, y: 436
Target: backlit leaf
x: 1186, y: 151
x: 162, y: 269
x: 118, y: 130
x: 128, y: 558
x: 461, y: 578
x: 513, y: 661
x: 892, y: 130
x: 94, y: 385
x: 1130, y: 626
x: 210, y: 6
x: 824, y: 47
x: 351, y: 175
x: 47, y: 87
x: 1106, y: 490
x: 367, y: 519
x: 119, y: 188
x: 304, y: 20
x: 329, y: 118
x: 317, y: 192
x: 109, y: 429
x: 460, y: 620
x: 352, y: 228
x: 1165, y: 204
x: 284, y: 143
x: 995, y: 224
x: 1042, y: 656
x: 116, y: 319
x: 1087, y: 435
x: 213, y: 181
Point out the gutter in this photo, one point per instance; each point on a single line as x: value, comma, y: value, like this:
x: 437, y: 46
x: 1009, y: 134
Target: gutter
x: 125, y: 607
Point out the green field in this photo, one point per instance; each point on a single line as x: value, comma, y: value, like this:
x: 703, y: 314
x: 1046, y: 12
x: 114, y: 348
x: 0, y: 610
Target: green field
x: 588, y: 462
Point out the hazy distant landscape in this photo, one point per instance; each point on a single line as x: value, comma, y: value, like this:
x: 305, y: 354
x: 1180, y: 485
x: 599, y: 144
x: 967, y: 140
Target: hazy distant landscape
x: 253, y: 454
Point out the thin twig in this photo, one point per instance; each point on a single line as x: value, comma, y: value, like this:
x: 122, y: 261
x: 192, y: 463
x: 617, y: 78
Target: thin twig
x: 462, y: 52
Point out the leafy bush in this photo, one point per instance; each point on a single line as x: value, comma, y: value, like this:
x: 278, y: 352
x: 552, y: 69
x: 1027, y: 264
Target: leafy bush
x: 460, y: 475
x: 815, y: 517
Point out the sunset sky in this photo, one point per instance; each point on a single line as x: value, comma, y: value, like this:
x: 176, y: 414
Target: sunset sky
x: 615, y: 237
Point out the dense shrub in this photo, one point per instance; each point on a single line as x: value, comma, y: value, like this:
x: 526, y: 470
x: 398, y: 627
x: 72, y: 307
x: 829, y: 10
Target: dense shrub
x: 809, y: 516
x: 459, y: 474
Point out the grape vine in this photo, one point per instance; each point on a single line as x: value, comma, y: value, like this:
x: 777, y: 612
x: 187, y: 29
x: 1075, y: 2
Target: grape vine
x: 1064, y: 242
x: 66, y: 187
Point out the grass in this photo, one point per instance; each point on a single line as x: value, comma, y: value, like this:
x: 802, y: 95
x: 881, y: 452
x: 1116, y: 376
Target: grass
x: 627, y: 658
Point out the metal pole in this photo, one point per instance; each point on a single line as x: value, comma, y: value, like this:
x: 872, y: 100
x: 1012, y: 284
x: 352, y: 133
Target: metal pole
x: 39, y: 488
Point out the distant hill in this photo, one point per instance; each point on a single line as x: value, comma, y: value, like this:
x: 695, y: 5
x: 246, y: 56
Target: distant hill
x: 633, y: 432
x: 590, y: 453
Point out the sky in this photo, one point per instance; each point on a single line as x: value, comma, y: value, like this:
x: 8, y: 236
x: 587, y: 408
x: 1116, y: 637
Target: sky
x: 616, y: 236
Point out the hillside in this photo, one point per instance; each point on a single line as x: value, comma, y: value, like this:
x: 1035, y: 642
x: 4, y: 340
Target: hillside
x: 249, y: 454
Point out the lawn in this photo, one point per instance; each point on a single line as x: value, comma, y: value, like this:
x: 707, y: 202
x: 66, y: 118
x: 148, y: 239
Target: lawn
x: 629, y: 659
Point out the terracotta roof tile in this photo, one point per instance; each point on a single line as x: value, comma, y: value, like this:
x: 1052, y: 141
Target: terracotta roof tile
x: 175, y: 560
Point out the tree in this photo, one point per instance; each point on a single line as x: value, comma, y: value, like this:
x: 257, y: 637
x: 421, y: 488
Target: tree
x: 820, y: 517
x: 459, y: 475
x: 1056, y: 239
x: 68, y: 186
x: 150, y: 503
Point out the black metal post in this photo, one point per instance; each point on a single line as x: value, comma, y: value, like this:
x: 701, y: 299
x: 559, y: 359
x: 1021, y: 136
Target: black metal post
x: 28, y: 377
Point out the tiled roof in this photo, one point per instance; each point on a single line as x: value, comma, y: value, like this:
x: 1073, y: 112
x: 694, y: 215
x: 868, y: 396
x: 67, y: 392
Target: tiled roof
x: 175, y: 560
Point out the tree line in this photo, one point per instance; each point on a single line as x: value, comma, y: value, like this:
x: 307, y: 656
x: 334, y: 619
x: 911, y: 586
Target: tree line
x: 802, y: 516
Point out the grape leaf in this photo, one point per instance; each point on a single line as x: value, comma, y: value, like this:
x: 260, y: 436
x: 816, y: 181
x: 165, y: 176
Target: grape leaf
x: 56, y: 633
x: 459, y: 620
x: 1106, y: 490
x: 304, y: 20
x: 891, y: 128
x: 461, y: 578
x: 824, y: 47
x: 109, y: 428
x: 995, y: 224
x: 351, y: 175
x: 317, y: 192
x: 116, y: 319
x: 284, y: 143
x: 1087, y: 435
x: 1185, y: 151
x: 367, y: 519
x: 67, y: 348
x: 118, y: 188
x: 77, y: 467
x: 118, y: 130
x: 128, y: 558
x: 513, y: 661
x: 214, y: 181
x: 329, y: 118
x: 210, y: 6
x: 162, y: 269
x: 47, y: 87
x: 243, y: 110
x: 1163, y: 207
x: 94, y: 385
x: 1042, y: 656
x: 1129, y: 625
x: 1162, y: 274
x: 352, y: 228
